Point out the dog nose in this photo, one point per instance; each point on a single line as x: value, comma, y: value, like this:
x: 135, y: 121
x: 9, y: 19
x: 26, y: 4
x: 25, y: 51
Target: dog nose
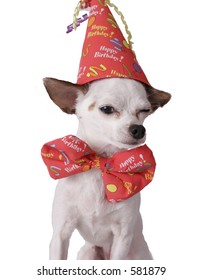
x: 137, y: 131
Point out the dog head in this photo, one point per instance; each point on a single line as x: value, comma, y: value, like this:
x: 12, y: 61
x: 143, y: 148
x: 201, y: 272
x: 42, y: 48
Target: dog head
x: 111, y: 111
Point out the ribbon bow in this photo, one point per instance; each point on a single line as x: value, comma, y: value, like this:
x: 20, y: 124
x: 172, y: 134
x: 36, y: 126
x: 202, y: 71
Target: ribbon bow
x: 124, y: 174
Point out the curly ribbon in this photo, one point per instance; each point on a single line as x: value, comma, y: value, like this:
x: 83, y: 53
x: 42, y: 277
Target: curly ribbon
x: 130, y: 43
x: 120, y: 14
x: 75, y: 15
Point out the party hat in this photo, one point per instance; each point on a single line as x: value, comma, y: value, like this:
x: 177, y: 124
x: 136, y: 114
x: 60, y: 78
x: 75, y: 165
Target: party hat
x: 106, y: 53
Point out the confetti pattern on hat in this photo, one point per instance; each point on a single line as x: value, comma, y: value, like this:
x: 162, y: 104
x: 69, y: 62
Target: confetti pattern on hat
x: 106, y: 53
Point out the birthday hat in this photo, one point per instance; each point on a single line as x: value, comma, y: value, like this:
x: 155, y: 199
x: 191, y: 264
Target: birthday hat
x: 106, y: 53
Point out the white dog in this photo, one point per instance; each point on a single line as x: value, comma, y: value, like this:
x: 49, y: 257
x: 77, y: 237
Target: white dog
x: 111, y: 113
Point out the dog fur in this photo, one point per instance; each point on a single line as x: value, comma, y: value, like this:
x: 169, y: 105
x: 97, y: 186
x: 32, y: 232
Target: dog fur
x: 107, y: 109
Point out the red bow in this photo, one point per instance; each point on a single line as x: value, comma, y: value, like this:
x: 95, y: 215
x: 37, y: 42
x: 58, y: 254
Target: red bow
x: 124, y: 174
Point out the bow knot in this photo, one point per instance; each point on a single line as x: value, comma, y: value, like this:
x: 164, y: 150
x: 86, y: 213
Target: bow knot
x: 124, y: 174
x: 100, y: 163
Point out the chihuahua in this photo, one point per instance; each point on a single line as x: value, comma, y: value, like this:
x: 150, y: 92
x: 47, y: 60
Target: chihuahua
x: 111, y: 113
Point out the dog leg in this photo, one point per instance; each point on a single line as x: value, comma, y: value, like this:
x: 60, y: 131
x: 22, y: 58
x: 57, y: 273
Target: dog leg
x: 126, y: 248
x: 64, y: 223
x: 58, y: 249
x: 129, y: 244
x: 139, y: 249
x: 122, y: 241
x: 120, y: 247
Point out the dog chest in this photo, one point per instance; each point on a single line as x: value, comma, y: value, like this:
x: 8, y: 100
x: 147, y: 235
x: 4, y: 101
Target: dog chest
x: 82, y: 198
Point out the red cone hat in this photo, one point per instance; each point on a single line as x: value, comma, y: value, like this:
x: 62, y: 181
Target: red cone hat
x: 105, y: 52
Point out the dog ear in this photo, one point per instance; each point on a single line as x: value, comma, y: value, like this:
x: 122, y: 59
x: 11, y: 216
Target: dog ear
x: 64, y: 94
x: 156, y: 97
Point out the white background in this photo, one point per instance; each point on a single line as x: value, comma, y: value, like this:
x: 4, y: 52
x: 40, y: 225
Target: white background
x: 168, y: 42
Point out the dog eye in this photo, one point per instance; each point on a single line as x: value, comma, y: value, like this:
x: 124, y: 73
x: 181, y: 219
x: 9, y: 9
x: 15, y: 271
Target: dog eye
x: 107, y: 110
x: 145, y: 111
